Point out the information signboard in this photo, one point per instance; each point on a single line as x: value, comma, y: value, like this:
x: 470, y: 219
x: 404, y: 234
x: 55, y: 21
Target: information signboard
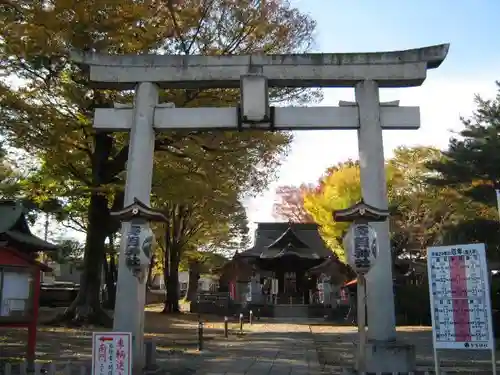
x: 460, y: 297
x: 16, y: 293
x: 111, y: 353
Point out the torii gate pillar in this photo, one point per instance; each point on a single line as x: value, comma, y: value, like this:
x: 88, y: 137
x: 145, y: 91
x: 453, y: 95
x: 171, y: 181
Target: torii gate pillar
x: 366, y: 72
x: 380, y: 299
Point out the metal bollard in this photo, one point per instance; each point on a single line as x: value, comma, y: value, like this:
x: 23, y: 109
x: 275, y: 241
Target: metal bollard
x: 200, y: 336
x: 241, y: 322
x: 23, y: 367
x: 226, y: 329
x: 150, y: 354
x: 250, y: 317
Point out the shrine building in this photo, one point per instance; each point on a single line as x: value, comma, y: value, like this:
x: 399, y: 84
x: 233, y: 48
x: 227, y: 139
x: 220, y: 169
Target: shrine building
x: 289, y: 271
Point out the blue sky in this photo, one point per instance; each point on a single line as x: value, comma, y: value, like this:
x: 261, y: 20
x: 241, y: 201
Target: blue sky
x: 472, y: 66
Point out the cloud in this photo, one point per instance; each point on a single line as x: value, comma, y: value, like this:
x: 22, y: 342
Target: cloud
x: 441, y: 102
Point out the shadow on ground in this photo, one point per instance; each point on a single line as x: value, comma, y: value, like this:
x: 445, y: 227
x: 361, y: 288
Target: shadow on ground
x: 173, y: 334
x: 265, y: 345
x: 336, y: 346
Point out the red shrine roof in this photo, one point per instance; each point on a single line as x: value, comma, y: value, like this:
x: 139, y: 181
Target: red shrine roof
x: 25, y: 258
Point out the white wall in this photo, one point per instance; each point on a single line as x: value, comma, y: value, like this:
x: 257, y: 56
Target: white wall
x: 204, y: 283
x: 66, y: 272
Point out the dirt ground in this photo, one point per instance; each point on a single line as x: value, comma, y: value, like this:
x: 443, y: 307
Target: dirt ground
x: 172, y: 333
x: 176, y: 336
x: 336, y: 347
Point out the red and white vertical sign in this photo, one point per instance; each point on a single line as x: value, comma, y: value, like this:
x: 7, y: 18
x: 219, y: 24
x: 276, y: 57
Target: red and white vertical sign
x: 232, y: 290
x: 111, y: 353
x: 460, y: 297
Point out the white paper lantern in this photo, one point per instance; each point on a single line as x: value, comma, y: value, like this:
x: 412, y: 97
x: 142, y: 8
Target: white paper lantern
x: 140, y: 240
x: 361, y: 246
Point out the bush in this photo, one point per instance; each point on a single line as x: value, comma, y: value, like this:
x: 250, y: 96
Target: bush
x: 412, y: 304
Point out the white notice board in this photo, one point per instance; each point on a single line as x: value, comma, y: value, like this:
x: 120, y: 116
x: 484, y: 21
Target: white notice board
x: 15, y: 292
x: 460, y: 297
x: 111, y: 353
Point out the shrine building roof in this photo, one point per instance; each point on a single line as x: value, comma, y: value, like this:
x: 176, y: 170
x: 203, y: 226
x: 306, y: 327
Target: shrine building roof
x: 15, y: 231
x: 274, y: 240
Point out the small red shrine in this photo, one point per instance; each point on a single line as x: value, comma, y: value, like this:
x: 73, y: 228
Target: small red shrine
x: 20, y: 272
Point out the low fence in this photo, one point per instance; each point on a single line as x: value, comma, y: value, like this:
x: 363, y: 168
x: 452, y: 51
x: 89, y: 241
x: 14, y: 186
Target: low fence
x: 218, y: 303
x: 55, y: 295
x: 154, y: 296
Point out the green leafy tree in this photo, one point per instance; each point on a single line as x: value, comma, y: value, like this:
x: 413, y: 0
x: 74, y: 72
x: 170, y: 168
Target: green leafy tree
x: 197, y: 263
x: 203, y: 209
x: 475, y: 230
x: 470, y: 163
x: 8, y: 177
x: 470, y: 166
x: 337, y: 189
x: 422, y: 213
x: 49, y: 111
x: 68, y: 251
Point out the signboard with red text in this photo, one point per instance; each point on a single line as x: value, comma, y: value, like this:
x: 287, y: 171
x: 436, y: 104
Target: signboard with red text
x: 111, y: 353
x: 460, y: 297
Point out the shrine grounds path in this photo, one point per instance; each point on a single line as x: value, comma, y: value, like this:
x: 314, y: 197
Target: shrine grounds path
x: 267, y: 347
x: 278, y: 347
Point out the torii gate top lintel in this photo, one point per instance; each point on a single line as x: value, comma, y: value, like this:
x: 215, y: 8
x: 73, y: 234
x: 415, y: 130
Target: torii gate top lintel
x: 389, y: 69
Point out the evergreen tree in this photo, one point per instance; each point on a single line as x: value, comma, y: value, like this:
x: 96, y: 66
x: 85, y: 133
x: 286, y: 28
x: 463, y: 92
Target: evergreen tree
x: 472, y: 161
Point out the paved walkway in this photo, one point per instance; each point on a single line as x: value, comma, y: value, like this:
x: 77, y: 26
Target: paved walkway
x: 292, y: 347
x: 265, y: 349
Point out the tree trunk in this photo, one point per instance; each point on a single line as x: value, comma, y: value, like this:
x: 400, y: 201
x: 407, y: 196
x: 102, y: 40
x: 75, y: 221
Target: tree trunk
x: 86, y: 308
x: 194, y: 276
x: 114, y: 277
x: 110, y: 274
x: 166, y: 263
x: 172, y: 298
x: 106, y: 269
x: 149, y: 280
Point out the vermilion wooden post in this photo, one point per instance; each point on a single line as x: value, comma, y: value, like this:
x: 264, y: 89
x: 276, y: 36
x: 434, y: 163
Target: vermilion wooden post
x: 32, y: 325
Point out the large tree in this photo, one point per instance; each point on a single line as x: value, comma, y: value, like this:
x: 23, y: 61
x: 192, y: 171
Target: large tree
x: 337, y: 189
x: 198, y: 263
x: 422, y: 214
x: 470, y: 166
x: 289, y: 204
x: 8, y: 177
x: 48, y: 111
x: 471, y: 161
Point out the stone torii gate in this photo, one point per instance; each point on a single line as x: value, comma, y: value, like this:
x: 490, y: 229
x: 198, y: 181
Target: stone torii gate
x: 366, y: 72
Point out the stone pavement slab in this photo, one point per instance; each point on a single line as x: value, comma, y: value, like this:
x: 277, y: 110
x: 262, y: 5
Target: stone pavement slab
x: 279, y: 347
x: 264, y: 349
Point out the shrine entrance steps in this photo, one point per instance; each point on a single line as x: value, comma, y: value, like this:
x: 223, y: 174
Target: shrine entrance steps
x: 291, y: 311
